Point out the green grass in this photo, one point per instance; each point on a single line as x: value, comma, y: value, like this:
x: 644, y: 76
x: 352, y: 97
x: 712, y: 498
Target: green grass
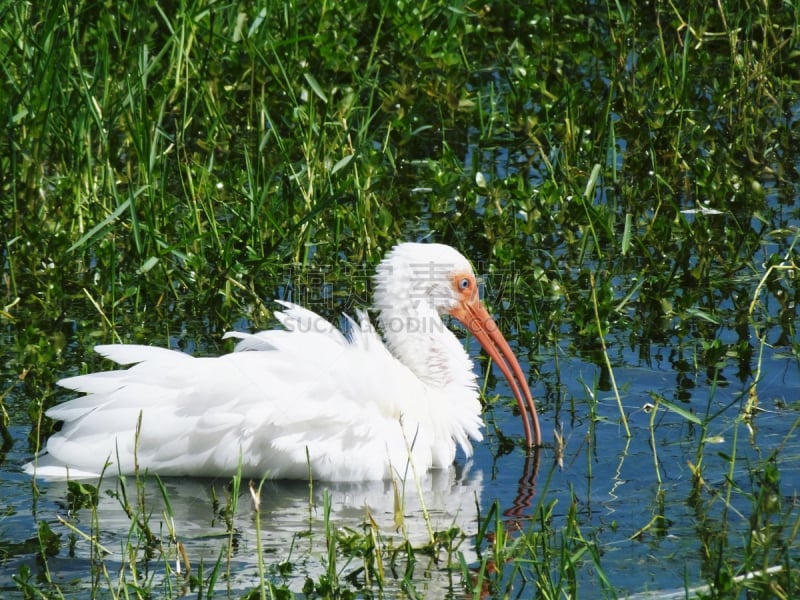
x: 620, y: 174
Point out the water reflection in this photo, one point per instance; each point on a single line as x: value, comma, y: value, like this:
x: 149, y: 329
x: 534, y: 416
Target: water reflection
x: 195, y: 515
x: 416, y: 531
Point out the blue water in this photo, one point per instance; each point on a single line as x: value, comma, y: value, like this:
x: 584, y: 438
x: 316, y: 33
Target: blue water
x: 612, y: 479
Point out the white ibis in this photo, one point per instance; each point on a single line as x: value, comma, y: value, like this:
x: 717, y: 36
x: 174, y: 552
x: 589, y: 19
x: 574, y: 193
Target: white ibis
x: 306, y: 400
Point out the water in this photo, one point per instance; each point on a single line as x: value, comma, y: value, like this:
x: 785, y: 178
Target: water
x: 634, y: 500
x: 650, y: 533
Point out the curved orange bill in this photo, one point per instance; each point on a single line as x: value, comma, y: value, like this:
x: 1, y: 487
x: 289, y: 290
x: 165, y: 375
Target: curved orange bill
x: 480, y: 324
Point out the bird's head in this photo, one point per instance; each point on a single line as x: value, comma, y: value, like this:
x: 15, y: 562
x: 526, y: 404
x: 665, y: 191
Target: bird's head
x: 417, y: 278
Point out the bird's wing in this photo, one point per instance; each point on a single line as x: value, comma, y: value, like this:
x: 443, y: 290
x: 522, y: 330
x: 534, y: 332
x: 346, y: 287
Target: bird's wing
x: 284, y: 398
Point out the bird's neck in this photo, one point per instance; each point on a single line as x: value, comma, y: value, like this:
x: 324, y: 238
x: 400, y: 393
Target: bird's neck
x: 416, y: 335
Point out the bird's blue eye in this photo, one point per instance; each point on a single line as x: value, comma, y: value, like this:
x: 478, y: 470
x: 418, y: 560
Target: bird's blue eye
x: 464, y: 284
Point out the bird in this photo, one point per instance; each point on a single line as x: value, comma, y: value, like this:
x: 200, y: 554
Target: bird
x: 305, y: 401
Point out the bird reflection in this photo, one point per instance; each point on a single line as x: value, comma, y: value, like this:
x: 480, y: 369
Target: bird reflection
x: 188, y: 524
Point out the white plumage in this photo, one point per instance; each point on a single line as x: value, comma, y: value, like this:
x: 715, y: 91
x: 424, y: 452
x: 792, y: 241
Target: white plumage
x: 349, y: 407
